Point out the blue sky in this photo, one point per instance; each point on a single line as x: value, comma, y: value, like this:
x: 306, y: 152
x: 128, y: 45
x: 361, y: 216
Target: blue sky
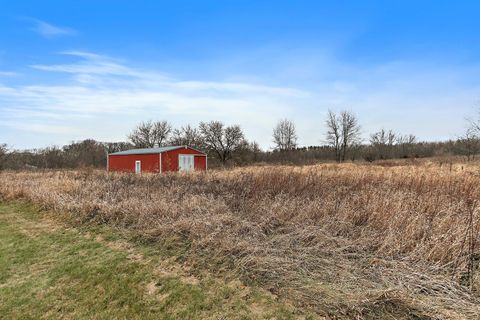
x: 71, y: 70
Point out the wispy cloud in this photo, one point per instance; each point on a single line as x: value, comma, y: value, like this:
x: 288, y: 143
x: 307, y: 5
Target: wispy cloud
x: 94, y: 64
x: 102, y: 97
x: 39, y: 127
x: 50, y: 31
x: 110, y: 93
x: 8, y: 74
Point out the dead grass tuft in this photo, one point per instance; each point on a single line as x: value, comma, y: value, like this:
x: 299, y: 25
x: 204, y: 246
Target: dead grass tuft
x: 341, y: 240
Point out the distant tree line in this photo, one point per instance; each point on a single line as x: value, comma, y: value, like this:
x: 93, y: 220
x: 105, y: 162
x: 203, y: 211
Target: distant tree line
x: 86, y: 153
x: 227, y: 145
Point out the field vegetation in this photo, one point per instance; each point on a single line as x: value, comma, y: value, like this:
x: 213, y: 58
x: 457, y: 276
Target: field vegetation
x: 51, y: 270
x: 393, y: 239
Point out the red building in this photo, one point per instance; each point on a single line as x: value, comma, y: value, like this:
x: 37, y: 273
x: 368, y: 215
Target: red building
x: 157, y: 160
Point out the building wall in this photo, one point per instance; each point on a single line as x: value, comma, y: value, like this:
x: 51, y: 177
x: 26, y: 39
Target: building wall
x: 200, y: 163
x: 126, y: 163
x: 170, y: 159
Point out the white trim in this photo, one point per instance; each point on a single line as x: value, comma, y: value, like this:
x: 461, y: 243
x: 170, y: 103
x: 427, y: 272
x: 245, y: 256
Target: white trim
x: 160, y: 162
x: 108, y: 162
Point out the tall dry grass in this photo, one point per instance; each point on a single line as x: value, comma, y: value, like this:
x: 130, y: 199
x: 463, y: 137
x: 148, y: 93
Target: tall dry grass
x: 342, y: 240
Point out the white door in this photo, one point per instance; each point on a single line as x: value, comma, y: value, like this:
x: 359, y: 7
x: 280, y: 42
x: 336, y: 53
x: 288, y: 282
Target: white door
x: 138, y: 167
x: 191, y: 163
x: 185, y: 162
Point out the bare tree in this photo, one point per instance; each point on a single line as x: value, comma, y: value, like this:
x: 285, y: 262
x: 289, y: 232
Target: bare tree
x: 343, y: 133
x: 111, y: 147
x: 188, y: 136
x: 255, y: 150
x: 407, y: 139
x: 86, y: 153
x: 221, y: 140
x: 3, y: 149
x: 350, y: 131
x: 383, y: 142
x: 383, y: 137
x: 3, y: 154
x: 474, y: 124
x: 150, y: 134
x: 53, y: 157
x: 334, y: 134
x: 469, y: 144
x: 285, y: 135
x: 407, y: 144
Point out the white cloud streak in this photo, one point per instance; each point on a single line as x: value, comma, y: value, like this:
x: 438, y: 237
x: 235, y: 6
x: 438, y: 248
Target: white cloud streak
x: 50, y: 31
x: 103, y: 98
x: 8, y: 74
x: 107, y: 91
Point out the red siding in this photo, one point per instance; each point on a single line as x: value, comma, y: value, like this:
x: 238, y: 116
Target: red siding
x: 170, y: 159
x: 151, y: 162
x: 200, y: 163
x: 126, y: 163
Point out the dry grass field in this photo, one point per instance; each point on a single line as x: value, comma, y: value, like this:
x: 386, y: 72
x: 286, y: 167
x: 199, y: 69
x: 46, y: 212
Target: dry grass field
x: 395, y: 240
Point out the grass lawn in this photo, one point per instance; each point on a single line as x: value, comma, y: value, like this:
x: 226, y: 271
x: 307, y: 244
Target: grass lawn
x: 49, y: 269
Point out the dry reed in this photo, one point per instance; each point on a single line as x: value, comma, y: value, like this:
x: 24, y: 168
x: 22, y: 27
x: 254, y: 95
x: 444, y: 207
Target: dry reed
x: 345, y: 241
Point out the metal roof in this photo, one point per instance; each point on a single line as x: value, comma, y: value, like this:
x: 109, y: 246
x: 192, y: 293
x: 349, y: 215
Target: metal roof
x: 152, y: 150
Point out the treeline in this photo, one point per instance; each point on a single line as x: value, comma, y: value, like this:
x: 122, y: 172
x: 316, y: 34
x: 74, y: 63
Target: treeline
x: 227, y: 145
x: 86, y: 153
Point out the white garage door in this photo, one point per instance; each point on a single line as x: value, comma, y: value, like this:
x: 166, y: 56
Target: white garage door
x: 185, y: 162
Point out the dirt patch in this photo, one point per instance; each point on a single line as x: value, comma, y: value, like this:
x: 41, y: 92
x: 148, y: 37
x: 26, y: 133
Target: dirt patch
x: 152, y: 288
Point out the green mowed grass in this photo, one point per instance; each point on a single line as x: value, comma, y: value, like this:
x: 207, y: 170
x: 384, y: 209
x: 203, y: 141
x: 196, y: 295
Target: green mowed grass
x: 52, y: 270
